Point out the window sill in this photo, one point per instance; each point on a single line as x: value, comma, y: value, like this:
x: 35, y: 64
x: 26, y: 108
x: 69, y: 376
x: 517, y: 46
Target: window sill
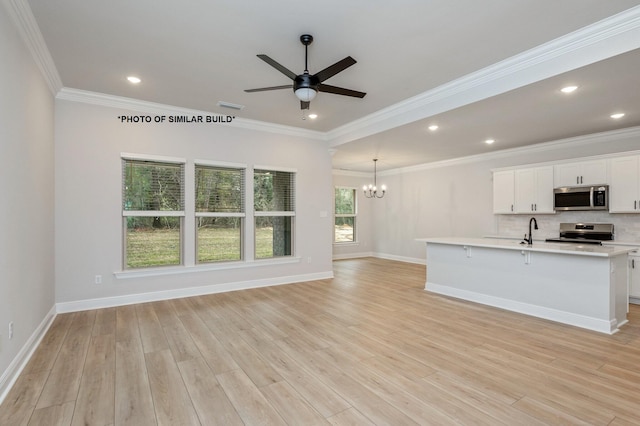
x: 177, y: 270
x: 347, y: 243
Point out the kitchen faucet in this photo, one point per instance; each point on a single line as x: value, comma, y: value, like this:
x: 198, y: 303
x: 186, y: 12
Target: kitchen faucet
x: 535, y: 224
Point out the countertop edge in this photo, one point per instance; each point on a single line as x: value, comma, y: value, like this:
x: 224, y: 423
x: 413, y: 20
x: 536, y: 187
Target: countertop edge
x: 559, y: 248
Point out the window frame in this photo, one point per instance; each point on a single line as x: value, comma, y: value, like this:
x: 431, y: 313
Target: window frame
x: 159, y: 160
x: 242, y: 215
x: 354, y: 215
x: 275, y: 213
x: 187, y: 236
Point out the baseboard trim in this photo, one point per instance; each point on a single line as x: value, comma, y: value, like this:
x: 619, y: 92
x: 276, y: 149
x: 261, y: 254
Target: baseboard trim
x: 590, y: 323
x: 401, y: 258
x: 130, y: 299
x: 379, y: 256
x: 10, y: 375
x: 360, y: 255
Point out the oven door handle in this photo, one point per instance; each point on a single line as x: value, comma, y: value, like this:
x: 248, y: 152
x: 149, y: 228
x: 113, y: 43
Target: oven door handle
x: 591, y: 195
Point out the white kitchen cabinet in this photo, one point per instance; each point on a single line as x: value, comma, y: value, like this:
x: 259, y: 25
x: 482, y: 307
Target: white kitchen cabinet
x: 634, y: 278
x: 534, y: 190
x: 624, y: 184
x: 581, y: 173
x: 504, y: 192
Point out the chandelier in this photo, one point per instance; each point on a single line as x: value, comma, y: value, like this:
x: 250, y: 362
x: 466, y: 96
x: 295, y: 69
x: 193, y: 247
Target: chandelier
x: 371, y: 191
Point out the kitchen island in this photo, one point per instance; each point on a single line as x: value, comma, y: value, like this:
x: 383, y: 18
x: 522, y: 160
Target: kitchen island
x: 580, y: 285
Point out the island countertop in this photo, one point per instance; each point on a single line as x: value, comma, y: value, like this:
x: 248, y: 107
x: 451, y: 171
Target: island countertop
x: 510, y: 244
x: 581, y: 285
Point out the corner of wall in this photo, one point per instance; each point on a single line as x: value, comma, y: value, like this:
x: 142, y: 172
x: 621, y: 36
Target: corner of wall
x: 10, y: 375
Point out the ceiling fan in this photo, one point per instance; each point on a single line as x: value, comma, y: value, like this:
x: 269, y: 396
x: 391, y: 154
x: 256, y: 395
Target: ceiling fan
x: 307, y: 86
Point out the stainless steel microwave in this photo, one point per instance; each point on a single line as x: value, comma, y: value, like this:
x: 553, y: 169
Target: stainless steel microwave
x: 594, y: 197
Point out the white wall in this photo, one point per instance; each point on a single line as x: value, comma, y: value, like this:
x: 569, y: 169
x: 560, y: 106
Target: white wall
x: 27, y: 204
x: 89, y: 142
x: 444, y: 201
x: 455, y: 198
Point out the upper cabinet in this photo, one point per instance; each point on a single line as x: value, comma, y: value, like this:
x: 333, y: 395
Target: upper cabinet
x: 503, y: 192
x: 624, y: 184
x: 534, y: 190
x: 523, y: 191
x: 530, y: 189
x: 581, y: 173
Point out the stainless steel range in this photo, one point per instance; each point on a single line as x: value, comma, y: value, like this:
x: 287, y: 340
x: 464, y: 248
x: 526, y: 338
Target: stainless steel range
x: 584, y: 233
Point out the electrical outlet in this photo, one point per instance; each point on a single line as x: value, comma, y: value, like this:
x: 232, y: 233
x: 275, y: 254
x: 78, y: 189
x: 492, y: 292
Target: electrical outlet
x: 98, y: 279
x: 10, y: 330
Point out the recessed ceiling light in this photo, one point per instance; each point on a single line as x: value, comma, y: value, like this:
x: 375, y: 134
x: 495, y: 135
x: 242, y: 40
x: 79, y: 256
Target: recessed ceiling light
x: 133, y: 79
x: 489, y: 141
x: 617, y: 115
x: 568, y: 89
x: 313, y: 116
x: 433, y: 127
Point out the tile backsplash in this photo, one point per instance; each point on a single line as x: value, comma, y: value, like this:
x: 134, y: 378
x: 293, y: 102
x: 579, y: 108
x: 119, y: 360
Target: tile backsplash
x: 626, y: 226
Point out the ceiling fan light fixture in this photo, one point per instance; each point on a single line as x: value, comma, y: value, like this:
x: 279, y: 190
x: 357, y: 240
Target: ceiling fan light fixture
x: 306, y: 94
x: 306, y: 86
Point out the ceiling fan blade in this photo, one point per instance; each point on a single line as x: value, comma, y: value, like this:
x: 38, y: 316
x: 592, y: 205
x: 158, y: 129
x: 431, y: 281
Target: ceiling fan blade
x: 305, y: 104
x: 334, y: 69
x: 340, y: 91
x: 264, y: 89
x: 279, y: 67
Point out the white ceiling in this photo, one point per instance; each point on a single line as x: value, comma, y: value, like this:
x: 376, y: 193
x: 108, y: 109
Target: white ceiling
x: 477, y: 69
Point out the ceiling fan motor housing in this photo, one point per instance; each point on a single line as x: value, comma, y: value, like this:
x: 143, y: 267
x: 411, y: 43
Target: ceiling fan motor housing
x: 306, y: 81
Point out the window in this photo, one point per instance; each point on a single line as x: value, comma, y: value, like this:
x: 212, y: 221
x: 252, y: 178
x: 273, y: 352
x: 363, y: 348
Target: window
x: 274, y: 205
x: 219, y: 210
x: 153, y: 212
x: 345, y: 215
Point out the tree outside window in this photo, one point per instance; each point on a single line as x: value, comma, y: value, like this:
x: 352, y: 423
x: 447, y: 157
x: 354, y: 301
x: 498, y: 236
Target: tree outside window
x: 345, y: 215
x: 274, y: 206
x: 153, y: 211
x: 219, y: 210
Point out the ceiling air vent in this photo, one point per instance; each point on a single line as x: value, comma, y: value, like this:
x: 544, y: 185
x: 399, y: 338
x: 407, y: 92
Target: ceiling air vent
x: 224, y: 104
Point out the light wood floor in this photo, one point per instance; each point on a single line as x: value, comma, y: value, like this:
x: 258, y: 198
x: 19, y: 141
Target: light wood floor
x: 367, y: 347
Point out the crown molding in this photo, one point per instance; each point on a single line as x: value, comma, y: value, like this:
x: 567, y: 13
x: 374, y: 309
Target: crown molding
x: 609, y: 37
x: 119, y: 102
x: 25, y: 22
x: 574, y: 142
x: 351, y: 173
